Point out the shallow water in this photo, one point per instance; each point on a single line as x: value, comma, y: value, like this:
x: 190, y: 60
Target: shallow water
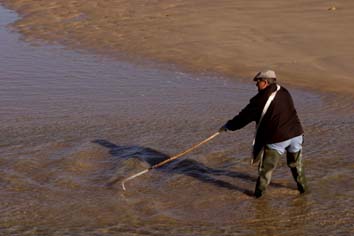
x: 71, y: 122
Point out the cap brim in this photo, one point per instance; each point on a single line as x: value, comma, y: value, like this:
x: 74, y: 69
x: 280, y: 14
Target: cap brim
x: 256, y: 78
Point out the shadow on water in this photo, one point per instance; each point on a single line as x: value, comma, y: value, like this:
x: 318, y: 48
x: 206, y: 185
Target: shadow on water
x: 188, y: 167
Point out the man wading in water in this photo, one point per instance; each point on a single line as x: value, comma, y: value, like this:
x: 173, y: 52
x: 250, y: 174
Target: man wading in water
x: 278, y: 130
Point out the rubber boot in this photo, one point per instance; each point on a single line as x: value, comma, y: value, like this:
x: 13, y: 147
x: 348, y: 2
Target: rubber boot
x: 294, y: 161
x: 266, y: 167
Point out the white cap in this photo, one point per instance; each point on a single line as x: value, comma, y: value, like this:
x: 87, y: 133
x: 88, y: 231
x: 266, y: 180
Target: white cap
x: 268, y: 74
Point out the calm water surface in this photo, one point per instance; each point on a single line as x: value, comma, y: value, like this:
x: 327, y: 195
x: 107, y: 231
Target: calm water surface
x: 71, y: 122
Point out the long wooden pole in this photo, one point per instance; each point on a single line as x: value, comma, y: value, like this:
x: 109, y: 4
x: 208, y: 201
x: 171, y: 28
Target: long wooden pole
x: 169, y: 159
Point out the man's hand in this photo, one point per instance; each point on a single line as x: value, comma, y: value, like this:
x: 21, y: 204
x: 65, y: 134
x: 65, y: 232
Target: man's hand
x: 223, y: 129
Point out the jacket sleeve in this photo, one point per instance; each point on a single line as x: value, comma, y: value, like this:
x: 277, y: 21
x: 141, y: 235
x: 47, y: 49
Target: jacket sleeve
x: 248, y: 114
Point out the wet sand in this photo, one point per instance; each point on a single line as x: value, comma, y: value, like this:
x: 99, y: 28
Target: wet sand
x: 71, y: 122
x: 309, y: 43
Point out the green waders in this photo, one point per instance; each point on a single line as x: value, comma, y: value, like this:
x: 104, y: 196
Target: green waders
x: 268, y: 164
x: 294, y: 161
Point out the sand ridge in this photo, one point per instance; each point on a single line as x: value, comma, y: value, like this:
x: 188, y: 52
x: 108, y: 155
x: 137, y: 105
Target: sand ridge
x: 309, y: 43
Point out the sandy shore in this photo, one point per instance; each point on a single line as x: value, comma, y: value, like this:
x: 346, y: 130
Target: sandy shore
x: 309, y: 43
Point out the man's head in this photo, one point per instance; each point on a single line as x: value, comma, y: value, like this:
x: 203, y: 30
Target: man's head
x: 265, y: 78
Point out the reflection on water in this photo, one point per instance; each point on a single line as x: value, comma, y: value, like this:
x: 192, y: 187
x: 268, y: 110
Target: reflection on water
x: 72, y: 122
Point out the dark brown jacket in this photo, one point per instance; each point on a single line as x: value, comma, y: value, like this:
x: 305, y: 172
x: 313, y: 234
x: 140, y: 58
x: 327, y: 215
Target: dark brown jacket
x: 279, y: 123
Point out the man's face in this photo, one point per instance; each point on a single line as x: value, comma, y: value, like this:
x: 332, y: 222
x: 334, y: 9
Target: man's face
x: 261, y: 84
